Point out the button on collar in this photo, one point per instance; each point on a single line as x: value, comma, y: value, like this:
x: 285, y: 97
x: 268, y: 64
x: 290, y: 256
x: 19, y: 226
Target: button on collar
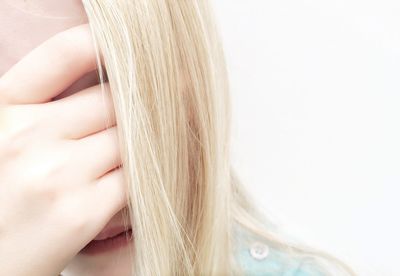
x: 259, y: 251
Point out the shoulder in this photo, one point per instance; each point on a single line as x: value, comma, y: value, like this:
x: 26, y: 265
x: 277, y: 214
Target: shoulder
x: 257, y: 257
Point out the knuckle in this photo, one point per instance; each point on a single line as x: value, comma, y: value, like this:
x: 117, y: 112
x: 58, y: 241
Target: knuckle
x: 20, y: 133
x: 69, y: 214
x: 43, y: 182
x: 19, y: 124
x: 73, y: 214
x: 40, y: 191
x: 4, y: 91
x: 75, y: 211
x: 10, y: 134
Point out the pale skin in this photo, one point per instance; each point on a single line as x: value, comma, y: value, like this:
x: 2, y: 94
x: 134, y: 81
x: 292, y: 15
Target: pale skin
x: 60, y: 176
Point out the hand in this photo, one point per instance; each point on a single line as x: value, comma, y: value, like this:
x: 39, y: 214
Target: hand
x: 60, y: 174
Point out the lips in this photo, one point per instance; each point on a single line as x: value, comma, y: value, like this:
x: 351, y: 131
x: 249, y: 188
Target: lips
x: 110, y: 232
x: 110, y: 239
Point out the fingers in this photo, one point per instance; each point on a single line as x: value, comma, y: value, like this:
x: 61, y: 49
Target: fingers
x: 50, y: 68
x: 98, y: 153
x: 84, y: 113
x: 111, y: 191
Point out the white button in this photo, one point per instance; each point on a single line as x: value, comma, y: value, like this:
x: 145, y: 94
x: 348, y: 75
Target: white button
x: 259, y: 251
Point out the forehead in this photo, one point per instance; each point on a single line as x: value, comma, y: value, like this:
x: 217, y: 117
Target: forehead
x: 24, y: 24
x: 56, y: 9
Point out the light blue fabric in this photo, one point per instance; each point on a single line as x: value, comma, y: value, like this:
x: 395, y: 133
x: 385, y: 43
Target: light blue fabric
x: 276, y: 263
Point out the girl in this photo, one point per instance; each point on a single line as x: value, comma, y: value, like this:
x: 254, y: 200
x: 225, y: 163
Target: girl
x: 114, y: 148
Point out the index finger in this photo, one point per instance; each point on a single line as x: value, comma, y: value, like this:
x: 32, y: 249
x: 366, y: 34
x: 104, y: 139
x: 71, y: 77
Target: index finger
x: 50, y: 68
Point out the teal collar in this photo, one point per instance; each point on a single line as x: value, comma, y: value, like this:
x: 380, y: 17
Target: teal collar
x: 256, y: 257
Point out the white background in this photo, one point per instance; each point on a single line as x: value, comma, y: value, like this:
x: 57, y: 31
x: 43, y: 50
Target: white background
x: 316, y: 113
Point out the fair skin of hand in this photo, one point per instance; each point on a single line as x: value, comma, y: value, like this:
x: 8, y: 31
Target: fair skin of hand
x: 60, y: 181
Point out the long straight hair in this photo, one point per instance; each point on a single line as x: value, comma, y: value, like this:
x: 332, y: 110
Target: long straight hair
x: 165, y: 66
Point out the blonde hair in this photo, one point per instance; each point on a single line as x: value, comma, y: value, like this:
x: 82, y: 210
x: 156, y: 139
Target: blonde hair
x: 165, y: 66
